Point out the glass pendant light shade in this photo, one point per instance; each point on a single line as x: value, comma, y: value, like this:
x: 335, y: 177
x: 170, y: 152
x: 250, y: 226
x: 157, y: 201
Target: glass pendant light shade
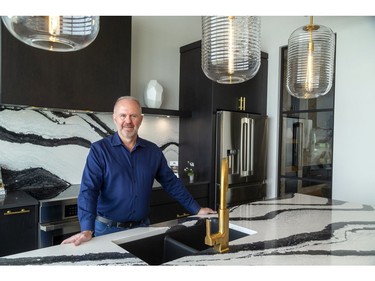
x: 310, y: 66
x: 54, y: 33
x: 231, y: 51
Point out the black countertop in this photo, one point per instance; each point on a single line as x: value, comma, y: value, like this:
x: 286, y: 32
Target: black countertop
x: 16, y: 199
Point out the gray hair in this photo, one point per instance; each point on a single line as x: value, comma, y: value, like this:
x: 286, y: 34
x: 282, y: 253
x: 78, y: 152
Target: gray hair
x: 128, y: 98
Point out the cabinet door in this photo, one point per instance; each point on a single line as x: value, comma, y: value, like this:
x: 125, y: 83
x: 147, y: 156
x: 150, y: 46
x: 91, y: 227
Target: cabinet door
x: 200, y: 94
x: 171, y: 211
x: 18, y: 231
x: 88, y: 79
x: 164, y: 207
x: 249, y: 96
x: 196, y: 134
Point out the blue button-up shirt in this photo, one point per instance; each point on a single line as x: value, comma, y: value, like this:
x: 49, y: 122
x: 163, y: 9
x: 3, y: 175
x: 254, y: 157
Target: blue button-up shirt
x: 117, y: 183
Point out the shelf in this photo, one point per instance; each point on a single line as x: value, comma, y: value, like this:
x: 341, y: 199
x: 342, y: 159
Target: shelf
x: 165, y: 112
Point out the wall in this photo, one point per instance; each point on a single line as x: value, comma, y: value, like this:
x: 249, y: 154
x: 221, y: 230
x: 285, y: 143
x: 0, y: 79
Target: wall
x: 354, y: 150
x: 156, y: 43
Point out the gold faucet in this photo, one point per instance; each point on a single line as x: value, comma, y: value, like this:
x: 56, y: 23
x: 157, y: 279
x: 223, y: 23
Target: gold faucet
x: 220, y: 240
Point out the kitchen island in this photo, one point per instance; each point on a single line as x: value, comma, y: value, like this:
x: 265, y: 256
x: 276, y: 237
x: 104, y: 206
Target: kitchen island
x: 301, y: 230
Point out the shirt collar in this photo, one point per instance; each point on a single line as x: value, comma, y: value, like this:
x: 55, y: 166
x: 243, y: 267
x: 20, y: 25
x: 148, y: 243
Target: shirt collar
x: 117, y: 141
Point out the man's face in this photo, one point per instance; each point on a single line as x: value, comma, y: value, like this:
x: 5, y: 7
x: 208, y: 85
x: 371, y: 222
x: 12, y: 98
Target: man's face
x: 128, y: 118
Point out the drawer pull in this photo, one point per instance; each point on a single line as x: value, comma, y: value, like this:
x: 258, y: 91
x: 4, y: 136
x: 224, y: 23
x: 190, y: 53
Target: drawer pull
x: 242, y: 105
x: 22, y: 211
x: 183, y: 215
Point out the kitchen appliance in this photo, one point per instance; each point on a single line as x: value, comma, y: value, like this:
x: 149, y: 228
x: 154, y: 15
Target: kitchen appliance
x: 58, y: 217
x: 242, y: 139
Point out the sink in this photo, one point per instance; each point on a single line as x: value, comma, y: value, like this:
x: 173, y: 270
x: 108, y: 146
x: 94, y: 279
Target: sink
x: 178, y: 241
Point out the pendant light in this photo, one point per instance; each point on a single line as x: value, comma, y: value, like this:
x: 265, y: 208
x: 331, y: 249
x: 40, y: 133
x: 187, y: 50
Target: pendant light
x: 54, y: 33
x: 231, y: 51
x: 310, y: 62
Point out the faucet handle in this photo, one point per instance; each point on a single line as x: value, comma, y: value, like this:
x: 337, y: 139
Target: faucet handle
x: 208, y: 239
x: 208, y: 227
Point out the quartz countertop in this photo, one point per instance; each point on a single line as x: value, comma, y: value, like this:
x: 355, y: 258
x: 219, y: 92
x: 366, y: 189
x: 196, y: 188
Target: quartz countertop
x: 301, y: 230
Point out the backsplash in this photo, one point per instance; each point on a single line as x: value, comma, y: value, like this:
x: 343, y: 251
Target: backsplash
x: 48, y: 148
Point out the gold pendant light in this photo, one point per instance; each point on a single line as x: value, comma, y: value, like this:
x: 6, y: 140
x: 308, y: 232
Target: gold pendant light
x: 54, y: 33
x: 231, y: 51
x: 310, y: 66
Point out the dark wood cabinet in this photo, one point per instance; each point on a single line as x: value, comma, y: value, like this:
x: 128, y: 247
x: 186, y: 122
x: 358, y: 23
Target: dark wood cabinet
x: 164, y: 207
x: 164, y: 112
x: 89, y: 79
x: 18, y: 224
x: 196, y: 88
x: 249, y: 96
x: 203, y: 98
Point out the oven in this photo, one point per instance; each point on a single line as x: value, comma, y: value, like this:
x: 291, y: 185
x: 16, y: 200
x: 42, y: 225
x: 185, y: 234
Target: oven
x: 58, y: 218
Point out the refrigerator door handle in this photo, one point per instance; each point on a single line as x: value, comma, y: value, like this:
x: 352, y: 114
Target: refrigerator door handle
x: 231, y: 154
x: 247, y: 147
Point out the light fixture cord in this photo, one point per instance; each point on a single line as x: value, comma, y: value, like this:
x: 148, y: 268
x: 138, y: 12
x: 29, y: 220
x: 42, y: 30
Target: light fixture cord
x: 311, y: 27
x: 310, y: 61
x: 231, y: 47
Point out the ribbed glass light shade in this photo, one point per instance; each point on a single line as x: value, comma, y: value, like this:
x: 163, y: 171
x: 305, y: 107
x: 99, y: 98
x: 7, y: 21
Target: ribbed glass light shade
x: 54, y: 33
x: 310, y: 66
x: 231, y: 50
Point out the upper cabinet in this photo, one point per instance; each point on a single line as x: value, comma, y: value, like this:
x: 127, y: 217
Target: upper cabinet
x: 90, y: 79
x: 249, y: 96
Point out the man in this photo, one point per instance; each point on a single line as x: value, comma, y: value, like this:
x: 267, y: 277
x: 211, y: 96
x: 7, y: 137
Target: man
x: 118, y: 176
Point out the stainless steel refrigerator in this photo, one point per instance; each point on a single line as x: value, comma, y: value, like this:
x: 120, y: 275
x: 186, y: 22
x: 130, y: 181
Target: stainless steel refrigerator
x: 242, y: 139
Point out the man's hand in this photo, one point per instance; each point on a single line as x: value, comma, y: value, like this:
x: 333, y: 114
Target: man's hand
x: 206, y: 211
x: 78, y: 238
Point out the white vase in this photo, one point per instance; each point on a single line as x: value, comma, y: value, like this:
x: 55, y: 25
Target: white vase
x: 153, y: 94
